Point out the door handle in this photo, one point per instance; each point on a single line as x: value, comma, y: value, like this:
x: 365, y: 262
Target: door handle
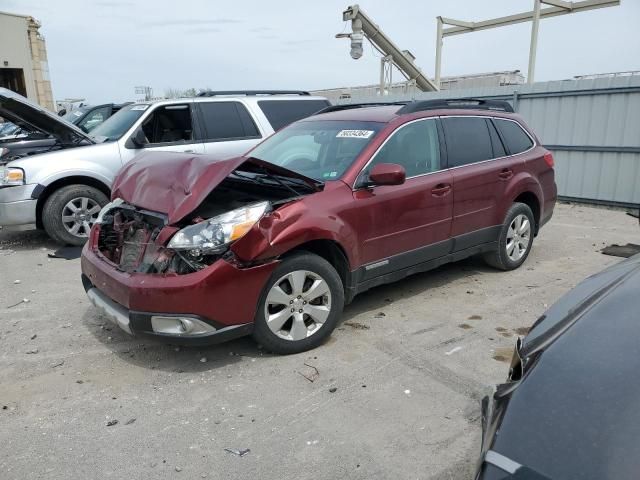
x: 188, y: 151
x: 441, y: 190
x: 506, y: 174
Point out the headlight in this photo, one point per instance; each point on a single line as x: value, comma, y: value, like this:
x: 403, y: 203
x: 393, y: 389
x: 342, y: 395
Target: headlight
x: 11, y: 176
x: 218, y: 231
x: 107, y: 207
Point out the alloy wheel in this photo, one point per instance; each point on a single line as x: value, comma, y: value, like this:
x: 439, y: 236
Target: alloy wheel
x: 297, y: 305
x: 79, y: 215
x: 518, y: 237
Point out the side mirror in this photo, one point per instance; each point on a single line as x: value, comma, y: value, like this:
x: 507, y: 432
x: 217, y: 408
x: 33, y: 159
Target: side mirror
x: 387, y: 174
x: 139, y: 139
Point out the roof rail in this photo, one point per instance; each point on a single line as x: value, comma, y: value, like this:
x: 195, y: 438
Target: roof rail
x: 350, y: 106
x: 212, y: 93
x: 459, y: 103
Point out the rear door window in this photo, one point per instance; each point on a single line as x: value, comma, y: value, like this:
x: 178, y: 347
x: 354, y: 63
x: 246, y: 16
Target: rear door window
x: 281, y: 113
x: 516, y: 139
x: 468, y: 140
x: 227, y: 121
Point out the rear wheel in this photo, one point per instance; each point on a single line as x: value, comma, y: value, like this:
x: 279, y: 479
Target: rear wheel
x: 516, y: 238
x: 300, y: 305
x: 70, y: 212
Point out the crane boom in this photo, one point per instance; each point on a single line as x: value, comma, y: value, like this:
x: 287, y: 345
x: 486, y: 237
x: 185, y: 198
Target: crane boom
x: 403, y: 60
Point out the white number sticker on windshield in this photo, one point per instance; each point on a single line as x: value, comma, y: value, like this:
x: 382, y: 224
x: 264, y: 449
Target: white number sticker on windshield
x: 354, y: 134
x: 139, y: 107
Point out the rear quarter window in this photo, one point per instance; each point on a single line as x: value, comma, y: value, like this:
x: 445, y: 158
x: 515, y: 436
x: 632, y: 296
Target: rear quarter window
x: 281, y: 113
x: 515, y: 138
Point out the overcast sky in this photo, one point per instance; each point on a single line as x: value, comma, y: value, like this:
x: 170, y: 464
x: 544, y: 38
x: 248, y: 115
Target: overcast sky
x: 101, y: 49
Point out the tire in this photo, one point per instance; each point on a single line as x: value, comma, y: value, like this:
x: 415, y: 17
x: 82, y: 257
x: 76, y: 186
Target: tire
x: 61, y: 202
x: 520, y: 244
x: 310, y: 319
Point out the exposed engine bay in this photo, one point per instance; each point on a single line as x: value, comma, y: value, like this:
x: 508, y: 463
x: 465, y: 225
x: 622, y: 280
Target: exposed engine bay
x: 137, y: 240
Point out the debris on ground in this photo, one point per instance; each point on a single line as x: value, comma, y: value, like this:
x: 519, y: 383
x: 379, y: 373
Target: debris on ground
x: 357, y: 325
x: 130, y: 421
x: 407, y: 392
x: 313, y: 376
x: 31, y: 352
x: 453, y: 350
x: 203, y: 360
x: 521, y: 330
x: 24, y: 300
x: 333, y: 390
x: 178, y: 469
x: 313, y: 442
x: 624, y: 251
x: 66, y: 253
x: 59, y: 364
x: 465, y: 326
x: 111, y: 423
x: 379, y: 315
x: 239, y: 453
x: 16, y: 282
x: 34, y: 336
x: 475, y: 317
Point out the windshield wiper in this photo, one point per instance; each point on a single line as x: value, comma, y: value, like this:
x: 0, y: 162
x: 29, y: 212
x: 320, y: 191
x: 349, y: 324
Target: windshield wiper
x: 270, y: 175
x: 273, y: 177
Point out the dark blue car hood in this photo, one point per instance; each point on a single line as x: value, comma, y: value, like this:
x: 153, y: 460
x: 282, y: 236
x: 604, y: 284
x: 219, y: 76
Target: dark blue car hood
x: 574, y: 412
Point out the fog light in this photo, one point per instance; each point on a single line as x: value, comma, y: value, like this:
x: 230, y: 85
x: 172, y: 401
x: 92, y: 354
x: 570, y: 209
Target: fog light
x: 183, y: 326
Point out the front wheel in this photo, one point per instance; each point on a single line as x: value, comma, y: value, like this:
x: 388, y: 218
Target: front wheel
x: 516, y: 238
x: 300, y: 305
x: 70, y: 212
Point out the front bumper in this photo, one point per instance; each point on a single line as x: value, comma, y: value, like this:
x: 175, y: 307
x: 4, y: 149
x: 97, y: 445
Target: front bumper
x: 222, y: 295
x: 16, y: 206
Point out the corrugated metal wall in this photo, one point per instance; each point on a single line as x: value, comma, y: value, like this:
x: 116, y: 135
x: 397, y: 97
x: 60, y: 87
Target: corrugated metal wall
x: 591, y: 125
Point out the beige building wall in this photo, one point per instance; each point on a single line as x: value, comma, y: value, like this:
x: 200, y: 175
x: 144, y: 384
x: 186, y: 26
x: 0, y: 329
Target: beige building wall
x: 22, y: 47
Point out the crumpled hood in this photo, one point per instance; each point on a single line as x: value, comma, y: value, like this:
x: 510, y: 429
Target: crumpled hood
x: 30, y: 116
x: 175, y: 184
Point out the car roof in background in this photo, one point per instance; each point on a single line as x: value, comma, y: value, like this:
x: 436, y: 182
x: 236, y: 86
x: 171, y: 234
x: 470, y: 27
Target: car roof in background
x: 235, y: 97
x: 388, y: 112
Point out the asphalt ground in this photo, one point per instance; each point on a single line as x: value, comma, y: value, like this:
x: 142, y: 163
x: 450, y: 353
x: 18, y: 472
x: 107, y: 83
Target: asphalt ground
x: 394, y: 394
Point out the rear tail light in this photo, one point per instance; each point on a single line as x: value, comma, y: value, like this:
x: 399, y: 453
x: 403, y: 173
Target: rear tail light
x: 548, y: 157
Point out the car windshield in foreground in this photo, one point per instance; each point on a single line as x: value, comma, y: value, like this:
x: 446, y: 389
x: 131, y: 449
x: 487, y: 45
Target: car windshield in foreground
x: 318, y: 149
x: 118, y: 124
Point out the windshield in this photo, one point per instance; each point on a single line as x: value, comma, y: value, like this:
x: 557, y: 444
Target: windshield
x: 118, y: 124
x: 322, y: 150
x: 74, y: 115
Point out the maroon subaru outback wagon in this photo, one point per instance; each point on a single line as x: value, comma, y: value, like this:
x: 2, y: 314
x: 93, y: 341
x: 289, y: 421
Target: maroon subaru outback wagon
x: 274, y: 243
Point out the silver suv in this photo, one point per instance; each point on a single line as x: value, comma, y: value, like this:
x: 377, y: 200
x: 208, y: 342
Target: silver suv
x: 63, y: 191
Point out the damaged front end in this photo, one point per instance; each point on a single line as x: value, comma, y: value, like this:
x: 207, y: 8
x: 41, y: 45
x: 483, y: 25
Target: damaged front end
x: 134, y: 240
x: 142, y: 241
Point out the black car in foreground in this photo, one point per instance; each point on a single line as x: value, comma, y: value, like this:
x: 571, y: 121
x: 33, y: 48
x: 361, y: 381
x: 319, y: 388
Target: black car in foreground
x: 570, y: 406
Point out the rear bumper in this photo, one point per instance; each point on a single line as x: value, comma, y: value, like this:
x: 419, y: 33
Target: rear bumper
x: 16, y: 206
x: 222, y: 296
